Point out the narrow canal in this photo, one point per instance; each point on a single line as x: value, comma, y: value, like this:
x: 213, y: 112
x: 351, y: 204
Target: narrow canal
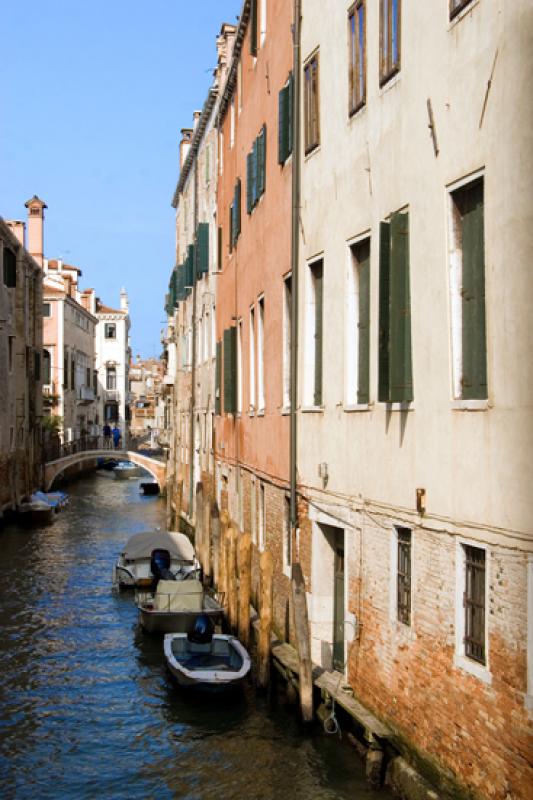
x: 87, y: 708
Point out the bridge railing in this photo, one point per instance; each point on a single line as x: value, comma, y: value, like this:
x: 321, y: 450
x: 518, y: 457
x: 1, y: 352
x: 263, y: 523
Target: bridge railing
x: 53, y: 450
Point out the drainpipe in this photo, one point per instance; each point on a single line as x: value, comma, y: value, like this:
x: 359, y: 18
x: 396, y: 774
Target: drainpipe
x: 295, y: 241
x: 193, y: 368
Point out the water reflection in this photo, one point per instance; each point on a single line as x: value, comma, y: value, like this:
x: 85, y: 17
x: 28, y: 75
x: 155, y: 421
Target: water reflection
x: 87, y: 707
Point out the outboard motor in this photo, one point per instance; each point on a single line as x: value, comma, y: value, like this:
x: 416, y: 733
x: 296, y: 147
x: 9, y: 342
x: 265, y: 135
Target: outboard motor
x: 202, y: 630
x: 160, y: 567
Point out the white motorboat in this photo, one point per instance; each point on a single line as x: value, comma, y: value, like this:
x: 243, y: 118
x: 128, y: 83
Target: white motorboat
x: 126, y: 469
x: 205, y: 660
x: 154, y: 555
x: 37, y: 512
x: 175, y: 606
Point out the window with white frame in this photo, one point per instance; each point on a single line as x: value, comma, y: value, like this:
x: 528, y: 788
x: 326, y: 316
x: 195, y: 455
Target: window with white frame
x: 401, y: 575
x: 232, y: 123
x: 239, y: 368
x: 260, y: 355
x: 313, y: 335
x: 472, y: 583
x: 287, y: 321
x: 467, y: 289
x: 263, y: 22
x: 251, y: 359
x: 358, y: 325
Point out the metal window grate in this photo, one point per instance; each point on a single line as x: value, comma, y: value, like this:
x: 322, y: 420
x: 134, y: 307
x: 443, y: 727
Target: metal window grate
x: 474, y: 603
x: 404, y: 575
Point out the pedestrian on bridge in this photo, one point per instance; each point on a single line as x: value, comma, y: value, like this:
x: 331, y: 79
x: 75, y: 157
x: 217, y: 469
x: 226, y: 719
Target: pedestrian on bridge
x: 107, y: 436
x: 116, y: 436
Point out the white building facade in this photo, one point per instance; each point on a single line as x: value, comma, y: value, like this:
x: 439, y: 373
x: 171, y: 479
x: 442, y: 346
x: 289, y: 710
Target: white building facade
x: 112, y: 364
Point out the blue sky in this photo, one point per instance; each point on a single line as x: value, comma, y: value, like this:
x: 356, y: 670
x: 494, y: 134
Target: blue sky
x: 94, y: 96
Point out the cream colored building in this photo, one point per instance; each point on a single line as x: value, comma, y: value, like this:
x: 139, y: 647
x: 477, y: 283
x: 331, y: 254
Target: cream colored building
x: 112, y: 364
x: 415, y: 426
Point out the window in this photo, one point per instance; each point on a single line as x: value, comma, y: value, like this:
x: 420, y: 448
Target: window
x: 403, y: 576
x: 263, y: 27
x: 357, y: 63
x: 10, y: 352
x: 311, y: 104
x: 260, y: 355
x: 256, y: 171
x: 287, y: 322
x: 239, y: 367
x: 87, y: 376
x: 47, y: 367
x: 230, y: 370
x: 394, y: 368
x: 232, y: 123
x: 220, y: 153
x: 235, y: 215
x: 358, y: 318
x: 73, y: 374
x: 111, y: 412
x: 10, y: 268
x: 47, y: 309
x: 467, y: 286
x: 253, y: 27
x: 111, y: 378
x: 474, y: 604
x: 251, y: 362
x: 110, y: 330
x: 285, y: 121
x: 65, y: 371
x: 456, y: 6
x: 314, y: 335
x: 390, y: 33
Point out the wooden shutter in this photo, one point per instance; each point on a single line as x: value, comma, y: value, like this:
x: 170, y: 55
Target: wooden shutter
x: 384, y: 327
x: 290, y: 113
x: 237, y: 209
x: 400, y: 369
x: 283, y: 127
x: 474, y: 367
x: 230, y: 231
x: 218, y: 377
x: 202, y: 242
x: 253, y: 27
x: 189, y: 268
x: 219, y: 248
x: 363, y: 336
x: 249, y: 183
x: 255, y: 193
x: 317, y: 270
x: 10, y: 268
x: 230, y: 370
x: 261, y: 146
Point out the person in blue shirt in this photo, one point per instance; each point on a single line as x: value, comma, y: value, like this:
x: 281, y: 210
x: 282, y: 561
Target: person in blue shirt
x: 116, y: 436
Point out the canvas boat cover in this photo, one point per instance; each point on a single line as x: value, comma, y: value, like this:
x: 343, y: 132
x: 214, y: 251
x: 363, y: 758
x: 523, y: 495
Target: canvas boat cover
x: 179, y: 596
x: 141, y: 545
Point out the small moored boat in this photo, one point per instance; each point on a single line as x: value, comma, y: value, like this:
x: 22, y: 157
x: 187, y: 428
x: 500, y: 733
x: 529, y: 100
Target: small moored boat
x: 202, y: 659
x: 37, y: 512
x: 150, y: 487
x: 126, y: 469
x: 153, y: 555
x: 175, y: 606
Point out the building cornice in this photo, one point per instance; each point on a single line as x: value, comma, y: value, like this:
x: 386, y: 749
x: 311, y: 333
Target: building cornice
x: 195, y: 143
x: 231, y: 80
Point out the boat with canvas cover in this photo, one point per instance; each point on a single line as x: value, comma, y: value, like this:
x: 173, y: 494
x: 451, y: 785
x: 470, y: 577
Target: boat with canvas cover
x: 205, y: 660
x: 175, y: 606
x: 154, y: 555
x: 126, y: 469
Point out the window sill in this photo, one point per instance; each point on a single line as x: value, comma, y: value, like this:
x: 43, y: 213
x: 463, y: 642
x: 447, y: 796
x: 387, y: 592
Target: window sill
x: 471, y: 405
x: 354, y: 112
x: 457, y: 16
x: 399, y: 406
x: 310, y: 153
x: 312, y: 409
x: 478, y: 670
x: 387, y: 82
x: 260, y: 412
x: 358, y: 407
x: 285, y: 411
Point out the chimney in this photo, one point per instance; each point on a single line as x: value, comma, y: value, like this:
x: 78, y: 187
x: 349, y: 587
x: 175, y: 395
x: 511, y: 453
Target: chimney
x: 185, y: 144
x: 36, y: 208
x: 18, y: 228
x: 124, y: 305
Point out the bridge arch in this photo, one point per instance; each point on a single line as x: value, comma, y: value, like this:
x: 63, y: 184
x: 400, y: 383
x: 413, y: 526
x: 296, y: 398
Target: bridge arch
x: 53, y: 469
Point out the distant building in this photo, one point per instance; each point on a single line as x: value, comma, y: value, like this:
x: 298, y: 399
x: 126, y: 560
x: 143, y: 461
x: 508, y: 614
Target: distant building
x: 69, y: 376
x: 147, y: 404
x: 112, y: 363
x: 20, y: 359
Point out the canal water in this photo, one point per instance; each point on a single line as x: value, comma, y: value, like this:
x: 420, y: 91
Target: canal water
x: 87, y: 708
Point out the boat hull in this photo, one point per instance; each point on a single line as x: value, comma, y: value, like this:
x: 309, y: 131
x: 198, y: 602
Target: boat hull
x: 154, y: 621
x: 207, y: 679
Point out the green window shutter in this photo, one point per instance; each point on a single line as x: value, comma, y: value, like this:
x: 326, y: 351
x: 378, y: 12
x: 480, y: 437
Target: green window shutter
x: 189, y: 268
x: 237, y: 204
x: 290, y: 113
x: 36, y: 365
x: 10, y: 268
x: 384, y: 322
x: 400, y: 367
x: 282, y: 125
x: 255, y: 193
x: 218, y: 377
x: 168, y: 308
x: 219, y: 248
x: 230, y: 232
x: 363, y: 360
x: 249, y: 186
x: 253, y: 27
x: 261, y: 161
x: 202, y: 242
x: 180, y: 281
x: 317, y: 270
x: 230, y: 370
x: 474, y: 344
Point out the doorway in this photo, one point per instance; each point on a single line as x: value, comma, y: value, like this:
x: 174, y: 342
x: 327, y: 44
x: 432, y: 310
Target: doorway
x: 338, y: 600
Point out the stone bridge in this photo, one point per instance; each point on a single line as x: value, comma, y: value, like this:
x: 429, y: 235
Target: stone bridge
x: 52, y: 469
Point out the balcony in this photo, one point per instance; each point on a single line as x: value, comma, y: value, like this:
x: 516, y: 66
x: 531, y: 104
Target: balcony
x: 85, y: 394
x: 112, y: 396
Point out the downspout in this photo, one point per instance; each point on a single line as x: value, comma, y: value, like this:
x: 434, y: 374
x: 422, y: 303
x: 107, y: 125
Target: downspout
x: 193, y: 321
x: 295, y: 242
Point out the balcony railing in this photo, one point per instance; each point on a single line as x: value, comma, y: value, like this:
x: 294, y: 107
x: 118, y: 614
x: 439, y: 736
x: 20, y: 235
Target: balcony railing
x: 86, y: 394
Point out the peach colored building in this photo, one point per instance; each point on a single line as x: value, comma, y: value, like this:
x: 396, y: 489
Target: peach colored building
x: 253, y: 288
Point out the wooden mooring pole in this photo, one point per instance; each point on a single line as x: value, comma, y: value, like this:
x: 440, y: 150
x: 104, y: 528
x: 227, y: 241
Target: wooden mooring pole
x: 206, y: 528
x: 265, y: 620
x: 223, y: 557
x: 301, y: 627
x: 231, y: 549
x: 215, y: 538
x: 245, y: 586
